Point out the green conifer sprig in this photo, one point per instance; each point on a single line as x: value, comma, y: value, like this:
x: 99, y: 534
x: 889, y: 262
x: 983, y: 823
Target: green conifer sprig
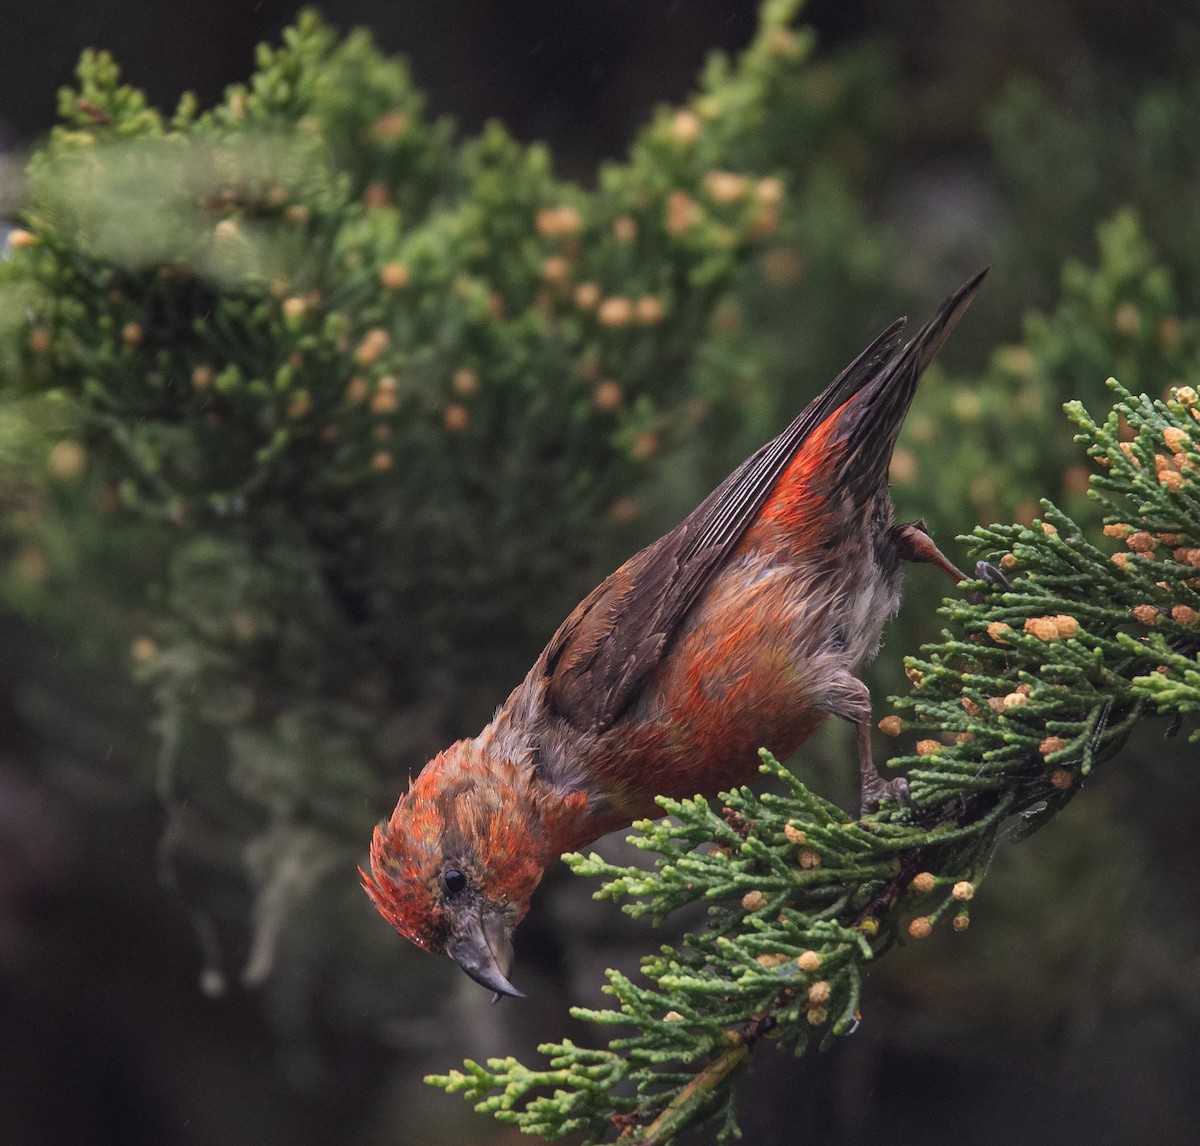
x: 1045, y: 668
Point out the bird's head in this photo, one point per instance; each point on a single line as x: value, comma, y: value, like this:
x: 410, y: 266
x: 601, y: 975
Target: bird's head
x: 454, y: 867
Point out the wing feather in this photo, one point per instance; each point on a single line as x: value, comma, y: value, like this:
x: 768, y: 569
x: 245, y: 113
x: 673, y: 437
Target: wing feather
x: 597, y: 662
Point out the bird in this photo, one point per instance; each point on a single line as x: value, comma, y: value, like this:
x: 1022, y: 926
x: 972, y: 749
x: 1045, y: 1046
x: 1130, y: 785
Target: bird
x: 742, y: 628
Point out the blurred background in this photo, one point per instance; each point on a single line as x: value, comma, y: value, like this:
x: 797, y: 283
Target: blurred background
x: 183, y: 965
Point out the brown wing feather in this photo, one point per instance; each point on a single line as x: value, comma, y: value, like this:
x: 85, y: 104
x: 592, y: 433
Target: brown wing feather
x: 597, y: 661
x: 601, y: 655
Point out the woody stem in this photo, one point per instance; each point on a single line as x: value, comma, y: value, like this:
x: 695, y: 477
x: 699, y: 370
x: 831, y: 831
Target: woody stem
x: 683, y: 1109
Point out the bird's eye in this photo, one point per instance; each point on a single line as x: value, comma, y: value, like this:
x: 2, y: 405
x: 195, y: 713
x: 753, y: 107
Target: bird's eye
x: 454, y: 880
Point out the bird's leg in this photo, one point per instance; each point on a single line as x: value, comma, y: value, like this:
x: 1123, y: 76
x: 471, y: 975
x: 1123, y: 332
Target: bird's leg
x: 850, y: 699
x: 913, y: 543
x: 875, y: 789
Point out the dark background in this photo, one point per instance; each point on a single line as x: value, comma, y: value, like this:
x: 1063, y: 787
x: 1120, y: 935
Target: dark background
x: 583, y: 74
x: 105, y: 1035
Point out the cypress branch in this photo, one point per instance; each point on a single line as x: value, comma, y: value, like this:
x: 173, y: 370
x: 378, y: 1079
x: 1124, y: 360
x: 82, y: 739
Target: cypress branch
x: 1029, y: 690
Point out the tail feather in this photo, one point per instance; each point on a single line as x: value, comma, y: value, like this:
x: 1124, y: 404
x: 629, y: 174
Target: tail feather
x: 871, y: 420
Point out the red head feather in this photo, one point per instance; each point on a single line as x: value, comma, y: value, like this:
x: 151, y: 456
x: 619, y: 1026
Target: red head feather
x: 489, y: 818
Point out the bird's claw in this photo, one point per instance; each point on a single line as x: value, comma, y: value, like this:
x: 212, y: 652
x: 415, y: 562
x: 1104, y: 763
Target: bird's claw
x: 988, y: 572
x: 875, y: 789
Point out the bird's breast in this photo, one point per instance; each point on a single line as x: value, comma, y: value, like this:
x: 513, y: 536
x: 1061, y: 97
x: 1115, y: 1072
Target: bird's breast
x: 745, y: 671
x: 868, y: 603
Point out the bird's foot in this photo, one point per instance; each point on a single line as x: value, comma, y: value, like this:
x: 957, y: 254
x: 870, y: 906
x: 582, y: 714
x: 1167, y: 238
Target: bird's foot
x: 875, y: 789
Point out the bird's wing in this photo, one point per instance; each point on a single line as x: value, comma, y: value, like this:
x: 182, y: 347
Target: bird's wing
x: 873, y: 421
x: 602, y: 654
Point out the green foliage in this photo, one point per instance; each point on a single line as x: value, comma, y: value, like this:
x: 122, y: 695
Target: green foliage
x: 327, y: 434
x: 1028, y: 691
x: 985, y: 448
x: 1119, y: 147
x: 979, y: 448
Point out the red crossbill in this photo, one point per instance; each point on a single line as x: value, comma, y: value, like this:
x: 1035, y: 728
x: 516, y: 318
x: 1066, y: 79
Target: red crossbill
x: 743, y: 627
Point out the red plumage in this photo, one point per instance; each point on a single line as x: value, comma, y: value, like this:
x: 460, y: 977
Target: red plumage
x: 744, y: 627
